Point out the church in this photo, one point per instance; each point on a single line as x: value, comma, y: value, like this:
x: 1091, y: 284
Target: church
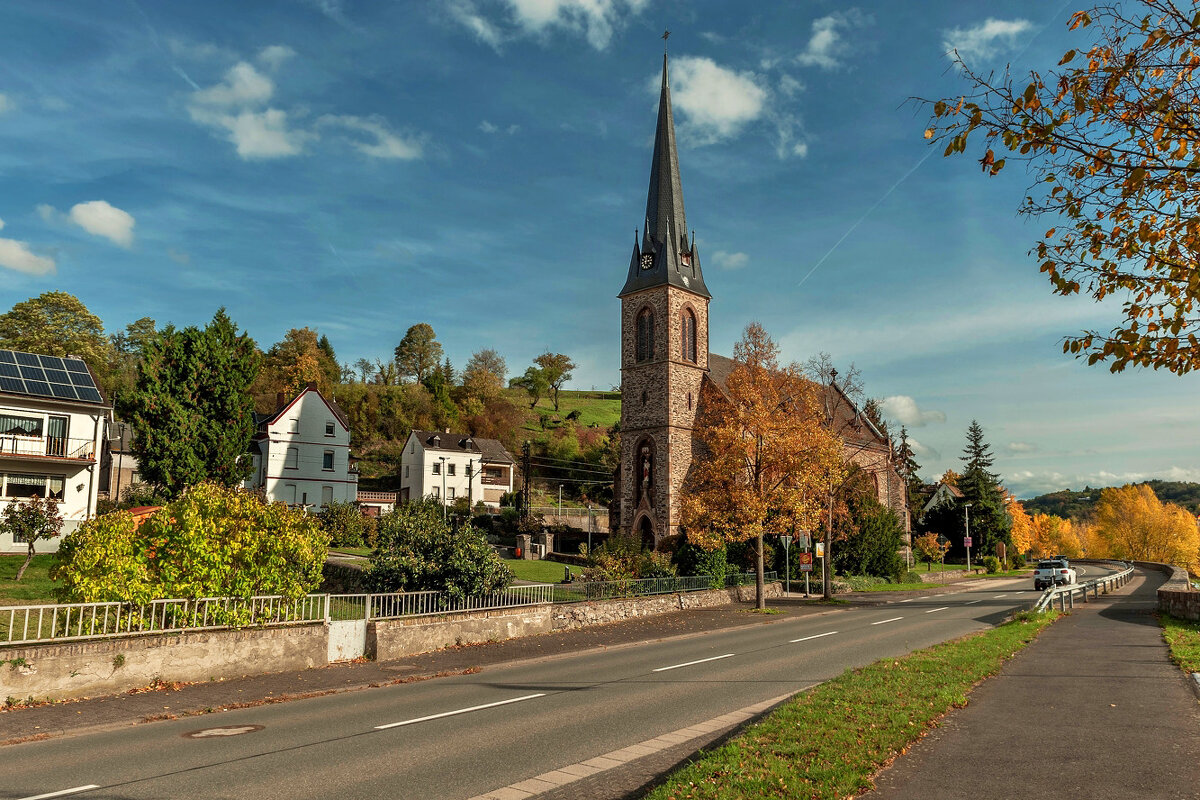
x: 665, y: 364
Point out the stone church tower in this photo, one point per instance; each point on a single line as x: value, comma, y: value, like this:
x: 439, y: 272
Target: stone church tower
x: 664, y: 348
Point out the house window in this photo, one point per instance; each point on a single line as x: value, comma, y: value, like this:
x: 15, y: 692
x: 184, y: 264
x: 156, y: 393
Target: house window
x: 292, y: 460
x: 406, y: 470
x: 294, y: 425
x: 23, y: 485
x: 326, y: 495
x: 450, y: 493
x: 13, y: 425
x: 327, y: 460
x: 437, y: 468
x: 450, y: 469
x: 288, y: 495
x: 436, y: 492
x: 645, y: 334
x: 688, y: 336
x: 328, y: 428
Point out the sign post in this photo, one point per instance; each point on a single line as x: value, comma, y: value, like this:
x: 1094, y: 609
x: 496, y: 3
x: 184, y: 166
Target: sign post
x: 787, y: 564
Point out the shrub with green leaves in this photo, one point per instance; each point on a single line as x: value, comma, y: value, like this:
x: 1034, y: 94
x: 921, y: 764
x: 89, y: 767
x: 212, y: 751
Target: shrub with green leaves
x: 991, y: 564
x: 212, y: 542
x: 344, y: 523
x: 692, y: 559
x: 416, y: 550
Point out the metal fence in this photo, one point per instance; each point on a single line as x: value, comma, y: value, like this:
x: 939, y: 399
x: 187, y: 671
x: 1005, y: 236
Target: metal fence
x: 68, y: 622
x: 76, y: 621
x: 1065, y: 595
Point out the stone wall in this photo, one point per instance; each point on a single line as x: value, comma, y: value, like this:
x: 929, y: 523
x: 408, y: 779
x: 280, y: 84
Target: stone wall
x: 397, y: 638
x: 602, y: 612
x: 1176, y: 597
x: 107, y: 666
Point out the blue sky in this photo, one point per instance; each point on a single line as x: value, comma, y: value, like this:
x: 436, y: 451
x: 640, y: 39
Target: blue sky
x: 481, y: 165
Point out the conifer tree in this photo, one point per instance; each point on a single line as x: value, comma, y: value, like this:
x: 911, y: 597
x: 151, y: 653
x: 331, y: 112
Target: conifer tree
x: 980, y: 486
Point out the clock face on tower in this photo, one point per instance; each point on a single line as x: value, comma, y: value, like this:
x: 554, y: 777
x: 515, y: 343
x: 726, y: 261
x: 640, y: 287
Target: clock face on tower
x: 647, y: 260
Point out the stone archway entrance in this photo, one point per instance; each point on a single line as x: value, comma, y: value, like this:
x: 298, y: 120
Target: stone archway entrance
x: 645, y: 530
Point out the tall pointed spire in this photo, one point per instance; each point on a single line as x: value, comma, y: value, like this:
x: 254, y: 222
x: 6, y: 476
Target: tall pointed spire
x: 666, y: 256
x: 664, y: 201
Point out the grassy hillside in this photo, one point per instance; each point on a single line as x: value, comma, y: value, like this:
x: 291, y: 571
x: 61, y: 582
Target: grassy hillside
x: 596, y: 409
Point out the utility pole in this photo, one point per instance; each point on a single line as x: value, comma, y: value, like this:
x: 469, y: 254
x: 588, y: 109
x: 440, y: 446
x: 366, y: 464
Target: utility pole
x: 443, y: 458
x: 967, y: 540
x: 470, y: 485
x: 526, y: 468
x: 560, y: 504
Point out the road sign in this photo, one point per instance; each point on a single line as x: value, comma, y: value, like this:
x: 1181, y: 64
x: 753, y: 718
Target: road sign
x: 967, y: 541
x: 787, y: 541
x: 806, y: 562
x: 820, y: 549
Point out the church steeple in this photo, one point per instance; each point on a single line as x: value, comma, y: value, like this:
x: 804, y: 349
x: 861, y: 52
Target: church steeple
x: 666, y: 255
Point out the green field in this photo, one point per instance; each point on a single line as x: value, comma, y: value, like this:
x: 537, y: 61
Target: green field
x: 536, y: 571
x: 602, y: 409
x: 35, y: 587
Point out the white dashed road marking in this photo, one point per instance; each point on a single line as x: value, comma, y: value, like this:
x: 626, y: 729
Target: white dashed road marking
x: 62, y: 793
x: 814, y: 636
x: 973, y: 602
x: 697, y: 661
x: 882, y: 621
x: 459, y: 711
x: 943, y: 608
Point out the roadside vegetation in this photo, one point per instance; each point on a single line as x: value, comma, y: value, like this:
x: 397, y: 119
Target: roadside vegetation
x: 829, y: 742
x: 1183, y: 637
x: 536, y: 571
x: 35, y: 587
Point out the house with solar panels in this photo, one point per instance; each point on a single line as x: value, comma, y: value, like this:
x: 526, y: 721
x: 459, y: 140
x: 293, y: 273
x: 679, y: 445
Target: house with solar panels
x: 53, y: 420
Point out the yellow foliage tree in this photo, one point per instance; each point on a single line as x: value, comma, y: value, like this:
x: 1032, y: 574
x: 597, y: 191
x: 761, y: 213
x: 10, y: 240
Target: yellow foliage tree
x: 1022, y: 525
x: 1133, y: 524
x: 950, y: 478
x: 765, y: 458
x: 1054, y: 536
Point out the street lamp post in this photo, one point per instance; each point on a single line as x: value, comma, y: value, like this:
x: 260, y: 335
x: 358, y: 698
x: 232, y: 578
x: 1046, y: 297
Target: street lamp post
x: 967, y: 541
x: 560, y: 504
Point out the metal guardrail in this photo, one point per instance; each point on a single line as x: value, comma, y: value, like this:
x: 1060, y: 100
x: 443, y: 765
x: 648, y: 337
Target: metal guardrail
x: 1065, y: 595
x: 68, y: 622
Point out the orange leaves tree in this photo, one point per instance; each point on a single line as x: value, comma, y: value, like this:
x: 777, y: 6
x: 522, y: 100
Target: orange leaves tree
x: 764, y: 457
x: 1110, y: 138
x: 1132, y: 523
x: 1022, y: 525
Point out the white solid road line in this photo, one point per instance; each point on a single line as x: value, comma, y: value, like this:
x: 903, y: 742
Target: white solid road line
x: 973, y: 602
x: 63, y: 792
x: 444, y: 714
x: 943, y: 608
x: 909, y: 600
x: 697, y: 661
x: 893, y: 619
x: 814, y: 636
x: 1000, y: 595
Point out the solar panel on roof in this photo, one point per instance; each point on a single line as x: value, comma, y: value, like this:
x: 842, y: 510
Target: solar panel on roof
x: 47, y: 376
x: 8, y: 357
x: 58, y: 376
x: 75, y: 365
x: 51, y: 362
x: 33, y: 373
x: 9, y: 370
x: 12, y: 384
x: 59, y: 390
x: 88, y: 394
x: 78, y: 379
x: 28, y: 359
x: 40, y: 388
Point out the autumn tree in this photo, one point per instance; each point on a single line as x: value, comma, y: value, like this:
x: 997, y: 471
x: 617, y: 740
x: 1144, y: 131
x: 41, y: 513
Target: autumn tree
x: 484, y: 375
x: 419, y: 352
x: 950, y: 478
x: 534, y: 383
x: 56, y: 324
x: 1133, y: 524
x: 30, y: 521
x: 1109, y: 139
x: 1053, y: 536
x: 766, y: 458
x: 294, y: 362
x: 929, y: 548
x: 557, y: 369
x: 1021, y: 531
x: 191, y: 411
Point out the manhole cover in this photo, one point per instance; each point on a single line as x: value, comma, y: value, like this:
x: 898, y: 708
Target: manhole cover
x: 224, y: 730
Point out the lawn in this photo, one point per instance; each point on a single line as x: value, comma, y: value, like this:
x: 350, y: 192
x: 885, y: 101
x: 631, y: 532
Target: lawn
x: 600, y: 408
x: 827, y: 743
x: 1184, y: 639
x: 351, y: 551
x: 35, y: 587
x: 536, y: 571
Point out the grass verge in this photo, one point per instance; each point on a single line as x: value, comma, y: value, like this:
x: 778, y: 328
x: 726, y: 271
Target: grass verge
x: 536, y: 571
x: 827, y: 743
x: 1183, y: 637
x: 35, y: 587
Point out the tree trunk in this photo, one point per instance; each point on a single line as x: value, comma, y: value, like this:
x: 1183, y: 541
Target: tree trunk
x: 826, y: 570
x: 25, y: 566
x: 760, y: 600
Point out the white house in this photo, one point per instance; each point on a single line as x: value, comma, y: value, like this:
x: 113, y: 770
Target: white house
x: 447, y: 466
x: 301, y: 453
x: 946, y: 493
x: 53, y: 420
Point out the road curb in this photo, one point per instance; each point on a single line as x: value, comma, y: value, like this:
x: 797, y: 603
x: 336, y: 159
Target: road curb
x: 1196, y: 684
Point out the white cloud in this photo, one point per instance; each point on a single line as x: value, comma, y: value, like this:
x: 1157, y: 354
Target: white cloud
x: 17, y: 256
x: 491, y: 128
x: 790, y: 86
x: 235, y: 106
x: 985, y: 40
x: 243, y: 86
x: 905, y: 410
x: 274, y: 55
x: 1020, y: 448
x: 723, y: 260
x: 5, y: 103
x: 263, y: 134
x: 1028, y: 483
x: 715, y: 101
x: 101, y: 219
x: 595, y: 20
x: 828, y: 46
x: 924, y: 451
x: 47, y: 212
x: 379, y: 142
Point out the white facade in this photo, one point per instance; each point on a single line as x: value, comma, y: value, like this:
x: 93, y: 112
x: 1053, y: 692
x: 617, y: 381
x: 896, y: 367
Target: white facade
x: 301, y: 454
x: 50, y: 448
x: 447, y: 466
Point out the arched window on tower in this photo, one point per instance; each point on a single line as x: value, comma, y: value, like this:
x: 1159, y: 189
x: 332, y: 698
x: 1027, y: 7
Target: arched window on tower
x: 645, y: 334
x: 688, y: 337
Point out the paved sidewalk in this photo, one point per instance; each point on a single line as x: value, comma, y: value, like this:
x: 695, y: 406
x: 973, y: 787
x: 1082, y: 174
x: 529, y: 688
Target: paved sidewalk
x: 1093, y: 708
x: 143, y: 706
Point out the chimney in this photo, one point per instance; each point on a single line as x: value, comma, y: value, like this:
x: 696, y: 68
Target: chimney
x: 447, y: 430
x: 279, y: 400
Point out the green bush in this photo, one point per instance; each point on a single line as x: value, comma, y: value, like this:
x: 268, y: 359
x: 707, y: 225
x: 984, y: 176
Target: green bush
x: 416, y: 550
x: 621, y: 558
x: 991, y: 564
x: 908, y: 576
x: 344, y: 523
x: 691, y: 559
x: 1017, y: 560
x: 212, y: 542
x: 861, y: 582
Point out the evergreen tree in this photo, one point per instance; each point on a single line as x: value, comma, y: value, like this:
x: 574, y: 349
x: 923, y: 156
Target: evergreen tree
x: 909, y: 468
x: 990, y: 523
x: 191, y: 410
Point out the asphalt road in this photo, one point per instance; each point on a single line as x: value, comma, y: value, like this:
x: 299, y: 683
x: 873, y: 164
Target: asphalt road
x: 458, y: 737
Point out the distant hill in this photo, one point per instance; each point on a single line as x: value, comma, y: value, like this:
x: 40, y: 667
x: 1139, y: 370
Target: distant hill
x: 1080, y: 504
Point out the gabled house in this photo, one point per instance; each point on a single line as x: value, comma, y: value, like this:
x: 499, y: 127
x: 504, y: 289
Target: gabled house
x: 53, y: 421
x: 301, y: 453
x: 945, y: 493
x: 447, y: 466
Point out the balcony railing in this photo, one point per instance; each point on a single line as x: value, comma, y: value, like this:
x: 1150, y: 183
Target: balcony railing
x: 47, y: 447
